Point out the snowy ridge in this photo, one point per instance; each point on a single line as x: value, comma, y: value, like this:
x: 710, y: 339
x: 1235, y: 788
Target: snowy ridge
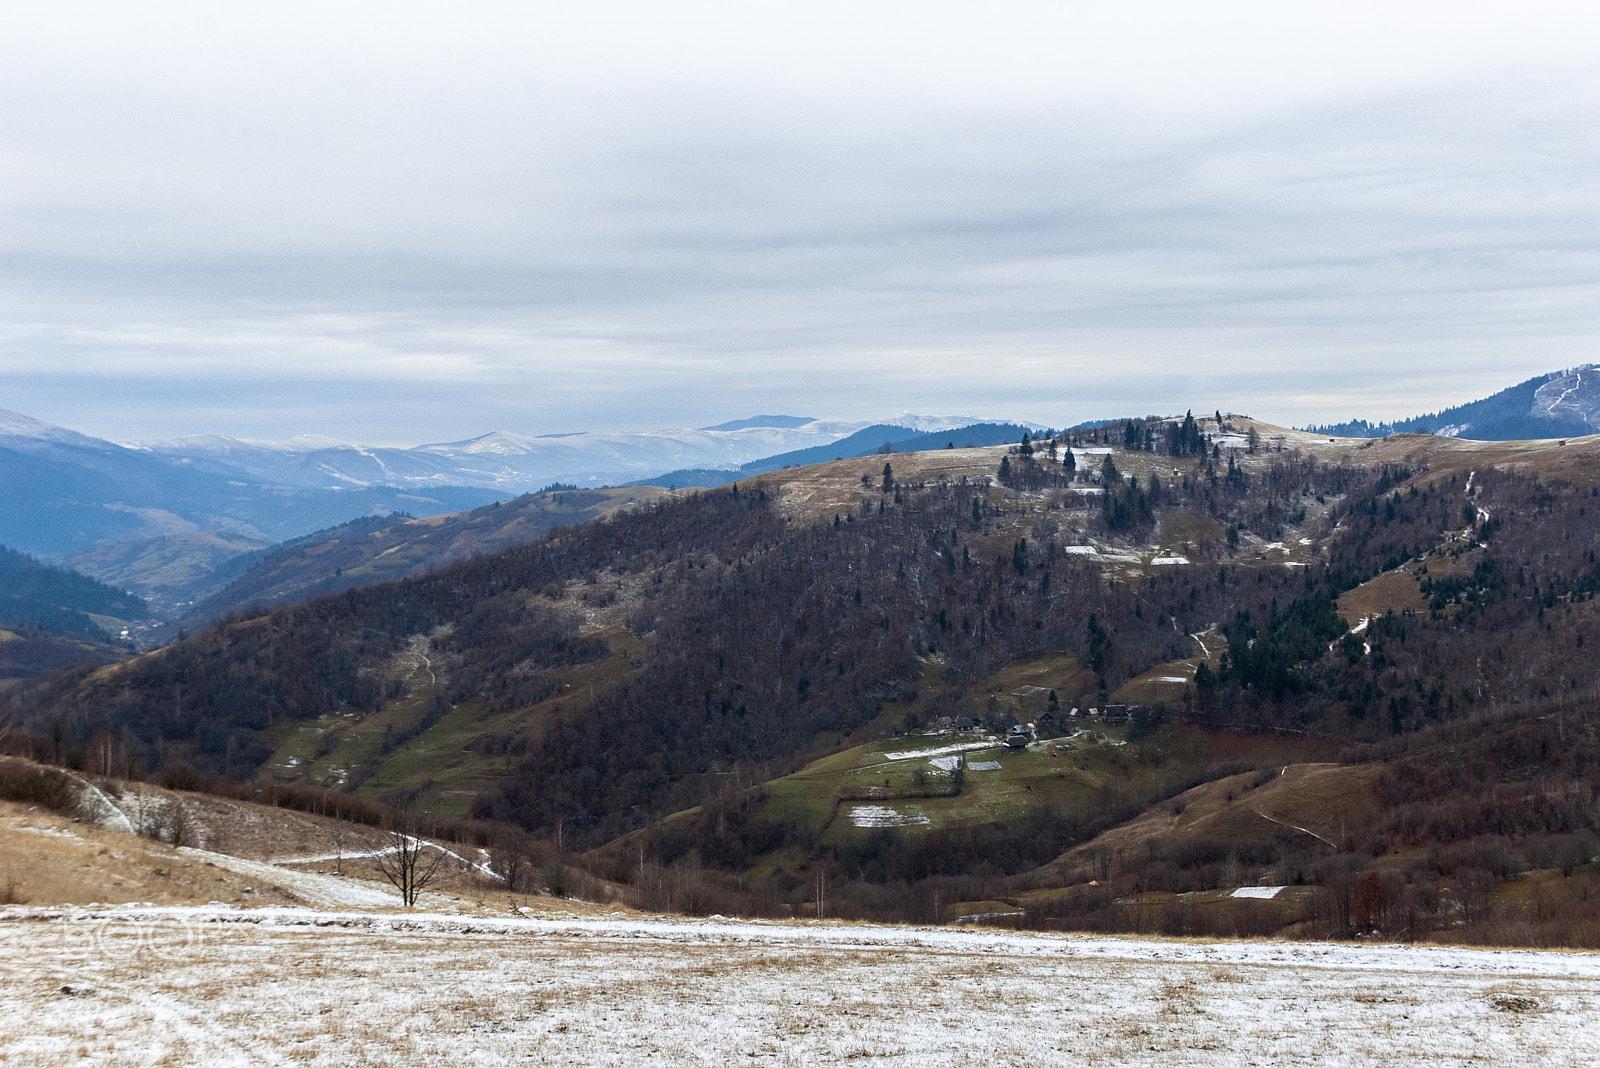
x: 19, y: 430
x: 518, y: 463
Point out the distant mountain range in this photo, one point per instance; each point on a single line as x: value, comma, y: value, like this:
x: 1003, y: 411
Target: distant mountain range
x: 375, y: 549
x: 66, y: 492
x: 513, y: 464
x: 177, y: 521
x: 1561, y: 404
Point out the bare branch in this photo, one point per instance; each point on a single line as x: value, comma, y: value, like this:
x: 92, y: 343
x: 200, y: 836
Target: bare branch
x: 410, y: 863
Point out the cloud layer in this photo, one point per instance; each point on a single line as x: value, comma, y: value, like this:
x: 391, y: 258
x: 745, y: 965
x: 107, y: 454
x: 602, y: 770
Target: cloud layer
x: 407, y: 223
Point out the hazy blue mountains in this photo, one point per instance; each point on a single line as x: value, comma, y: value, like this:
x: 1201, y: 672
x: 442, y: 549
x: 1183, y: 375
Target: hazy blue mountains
x: 61, y: 491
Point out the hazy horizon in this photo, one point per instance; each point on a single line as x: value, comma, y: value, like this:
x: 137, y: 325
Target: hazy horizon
x: 415, y: 223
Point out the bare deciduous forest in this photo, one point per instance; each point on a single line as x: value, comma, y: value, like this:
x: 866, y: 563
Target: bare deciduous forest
x: 752, y: 643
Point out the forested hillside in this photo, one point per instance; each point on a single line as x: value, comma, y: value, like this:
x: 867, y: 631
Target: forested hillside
x: 46, y: 616
x: 754, y: 661
x: 379, y: 548
x: 55, y: 598
x: 762, y: 638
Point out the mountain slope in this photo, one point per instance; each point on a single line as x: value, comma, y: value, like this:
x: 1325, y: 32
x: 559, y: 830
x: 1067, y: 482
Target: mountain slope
x: 50, y: 617
x: 24, y: 580
x: 716, y: 680
x: 1555, y: 405
x: 771, y: 587
x: 378, y: 549
x: 172, y: 571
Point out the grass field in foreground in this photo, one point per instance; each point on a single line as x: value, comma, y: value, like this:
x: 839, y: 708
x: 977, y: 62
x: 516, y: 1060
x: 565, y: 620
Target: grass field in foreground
x: 321, y: 989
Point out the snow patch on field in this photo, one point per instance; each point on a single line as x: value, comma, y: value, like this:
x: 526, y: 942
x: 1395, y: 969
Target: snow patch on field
x: 983, y: 765
x: 885, y: 816
x: 959, y: 747
x: 1170, y: 560
x: 104, y: 810
x: 1260, y: 893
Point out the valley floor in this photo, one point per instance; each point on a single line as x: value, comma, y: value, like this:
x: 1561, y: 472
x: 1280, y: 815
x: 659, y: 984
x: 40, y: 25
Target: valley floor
x: 217, y: 985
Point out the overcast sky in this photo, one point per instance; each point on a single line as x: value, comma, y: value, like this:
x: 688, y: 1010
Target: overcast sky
x: 398, y: 223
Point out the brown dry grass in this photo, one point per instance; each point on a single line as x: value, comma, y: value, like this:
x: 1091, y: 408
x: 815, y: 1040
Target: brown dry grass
x: 1321, y: 798
x: 48, y: 860
x: 1393, y: 591
x: 52, y: 860
x: 821, y: 491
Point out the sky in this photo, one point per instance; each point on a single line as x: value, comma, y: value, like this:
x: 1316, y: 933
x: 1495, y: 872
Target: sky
x: 401, y: 222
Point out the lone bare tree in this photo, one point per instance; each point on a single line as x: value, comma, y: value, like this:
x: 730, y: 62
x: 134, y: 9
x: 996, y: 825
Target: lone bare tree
x: 410, y: 863
x: 338, y: 834
x: 511, y: 860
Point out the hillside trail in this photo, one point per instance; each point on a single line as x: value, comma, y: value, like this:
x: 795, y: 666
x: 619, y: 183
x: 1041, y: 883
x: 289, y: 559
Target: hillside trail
x: 1293, y: 827
x: 481, y: 866
x: 417, y: 648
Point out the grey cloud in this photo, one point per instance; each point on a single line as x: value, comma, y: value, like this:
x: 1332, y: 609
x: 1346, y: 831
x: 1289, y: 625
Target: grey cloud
x: 487, y: 263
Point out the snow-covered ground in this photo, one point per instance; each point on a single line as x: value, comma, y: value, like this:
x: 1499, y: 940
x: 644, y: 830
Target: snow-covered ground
x: 888, y: 816
x: 219, y: 986
x: 315, y: 887
x: 941, y: 750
